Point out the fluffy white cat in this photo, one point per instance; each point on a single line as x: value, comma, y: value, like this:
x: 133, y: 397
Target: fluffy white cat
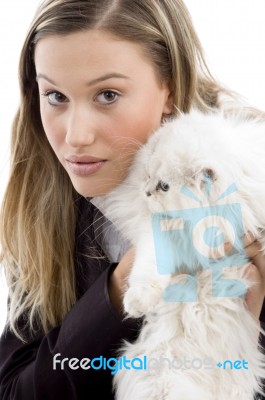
x: 195, y: 188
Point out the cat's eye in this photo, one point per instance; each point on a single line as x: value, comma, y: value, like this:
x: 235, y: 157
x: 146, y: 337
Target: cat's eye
x: 163, y: 186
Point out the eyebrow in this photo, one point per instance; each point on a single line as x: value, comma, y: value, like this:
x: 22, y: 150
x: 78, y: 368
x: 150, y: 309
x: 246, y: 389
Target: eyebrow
x: 93, y: 82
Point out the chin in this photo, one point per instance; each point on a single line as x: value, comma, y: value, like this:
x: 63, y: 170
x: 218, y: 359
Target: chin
x: 92, y: 190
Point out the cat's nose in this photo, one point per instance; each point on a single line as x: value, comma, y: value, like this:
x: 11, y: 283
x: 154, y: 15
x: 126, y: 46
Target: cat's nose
x: 148, y: 194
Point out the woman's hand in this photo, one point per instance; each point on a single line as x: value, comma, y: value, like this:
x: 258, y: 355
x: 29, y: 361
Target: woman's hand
x: 118, y: 279
x: 256, y: 273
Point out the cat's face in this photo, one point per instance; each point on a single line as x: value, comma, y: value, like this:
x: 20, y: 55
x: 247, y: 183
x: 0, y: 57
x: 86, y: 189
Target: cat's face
x: 165, y: 180
x: 172, y: 161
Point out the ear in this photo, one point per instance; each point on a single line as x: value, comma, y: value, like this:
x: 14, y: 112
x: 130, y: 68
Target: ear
x: 202, y: 178
x: 208, y: 175
x: 169, y: 100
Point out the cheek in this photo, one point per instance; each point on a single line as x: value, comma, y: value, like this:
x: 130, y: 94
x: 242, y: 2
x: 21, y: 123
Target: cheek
x: 131, y: 130
x: 137, y: 128
x: 52, y: 130
x: 126, y: 141
x: 141, y: 114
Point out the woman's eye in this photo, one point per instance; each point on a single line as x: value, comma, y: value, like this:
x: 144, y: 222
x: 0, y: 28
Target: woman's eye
x: 55, y: 98
x: 107, y: 97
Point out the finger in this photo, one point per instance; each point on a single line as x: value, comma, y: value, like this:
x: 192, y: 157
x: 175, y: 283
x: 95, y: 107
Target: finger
x: 255, y: 294
x: 249, y: 238
x: 257, y: 257
x: 253, y: 250
x: 227, y: 247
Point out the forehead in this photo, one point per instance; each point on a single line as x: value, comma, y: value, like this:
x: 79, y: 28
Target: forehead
x: 90, y: 52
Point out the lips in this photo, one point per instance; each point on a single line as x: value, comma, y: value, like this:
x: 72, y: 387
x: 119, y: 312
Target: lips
x: 84, y: 165
x: 83, y: 159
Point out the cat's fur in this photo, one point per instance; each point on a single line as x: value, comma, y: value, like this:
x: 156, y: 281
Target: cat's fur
x: 205, y: 153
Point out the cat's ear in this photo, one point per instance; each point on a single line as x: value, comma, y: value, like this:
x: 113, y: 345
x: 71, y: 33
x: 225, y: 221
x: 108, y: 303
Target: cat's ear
x: 207, y: 177
x: 199, y: 177
x: 209, y: 174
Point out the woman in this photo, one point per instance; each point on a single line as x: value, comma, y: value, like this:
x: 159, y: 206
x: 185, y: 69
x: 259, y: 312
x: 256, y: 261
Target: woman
x: 97, y: 78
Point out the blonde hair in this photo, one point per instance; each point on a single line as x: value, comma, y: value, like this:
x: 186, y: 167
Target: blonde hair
x: 38, y: 217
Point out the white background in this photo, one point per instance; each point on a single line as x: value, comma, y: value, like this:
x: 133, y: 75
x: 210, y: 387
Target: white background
x: 232, y: 33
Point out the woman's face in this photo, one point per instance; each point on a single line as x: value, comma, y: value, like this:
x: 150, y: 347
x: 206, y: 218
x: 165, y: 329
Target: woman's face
x: 100, y: 98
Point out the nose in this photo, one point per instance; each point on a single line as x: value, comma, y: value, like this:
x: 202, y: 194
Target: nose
x: 148, y: 194
x: 80, y: 129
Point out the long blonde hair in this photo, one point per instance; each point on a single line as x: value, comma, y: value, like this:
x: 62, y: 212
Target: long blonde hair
x: 38, y: 217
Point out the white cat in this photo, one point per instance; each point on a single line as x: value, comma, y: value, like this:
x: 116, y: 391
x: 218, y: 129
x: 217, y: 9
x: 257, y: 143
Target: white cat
x: 198, y: 175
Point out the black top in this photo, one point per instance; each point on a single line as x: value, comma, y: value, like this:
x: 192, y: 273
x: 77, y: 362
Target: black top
x: 91, y: 329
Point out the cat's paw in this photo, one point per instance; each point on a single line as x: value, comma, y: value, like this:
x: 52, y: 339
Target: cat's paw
x: 139, y: 300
